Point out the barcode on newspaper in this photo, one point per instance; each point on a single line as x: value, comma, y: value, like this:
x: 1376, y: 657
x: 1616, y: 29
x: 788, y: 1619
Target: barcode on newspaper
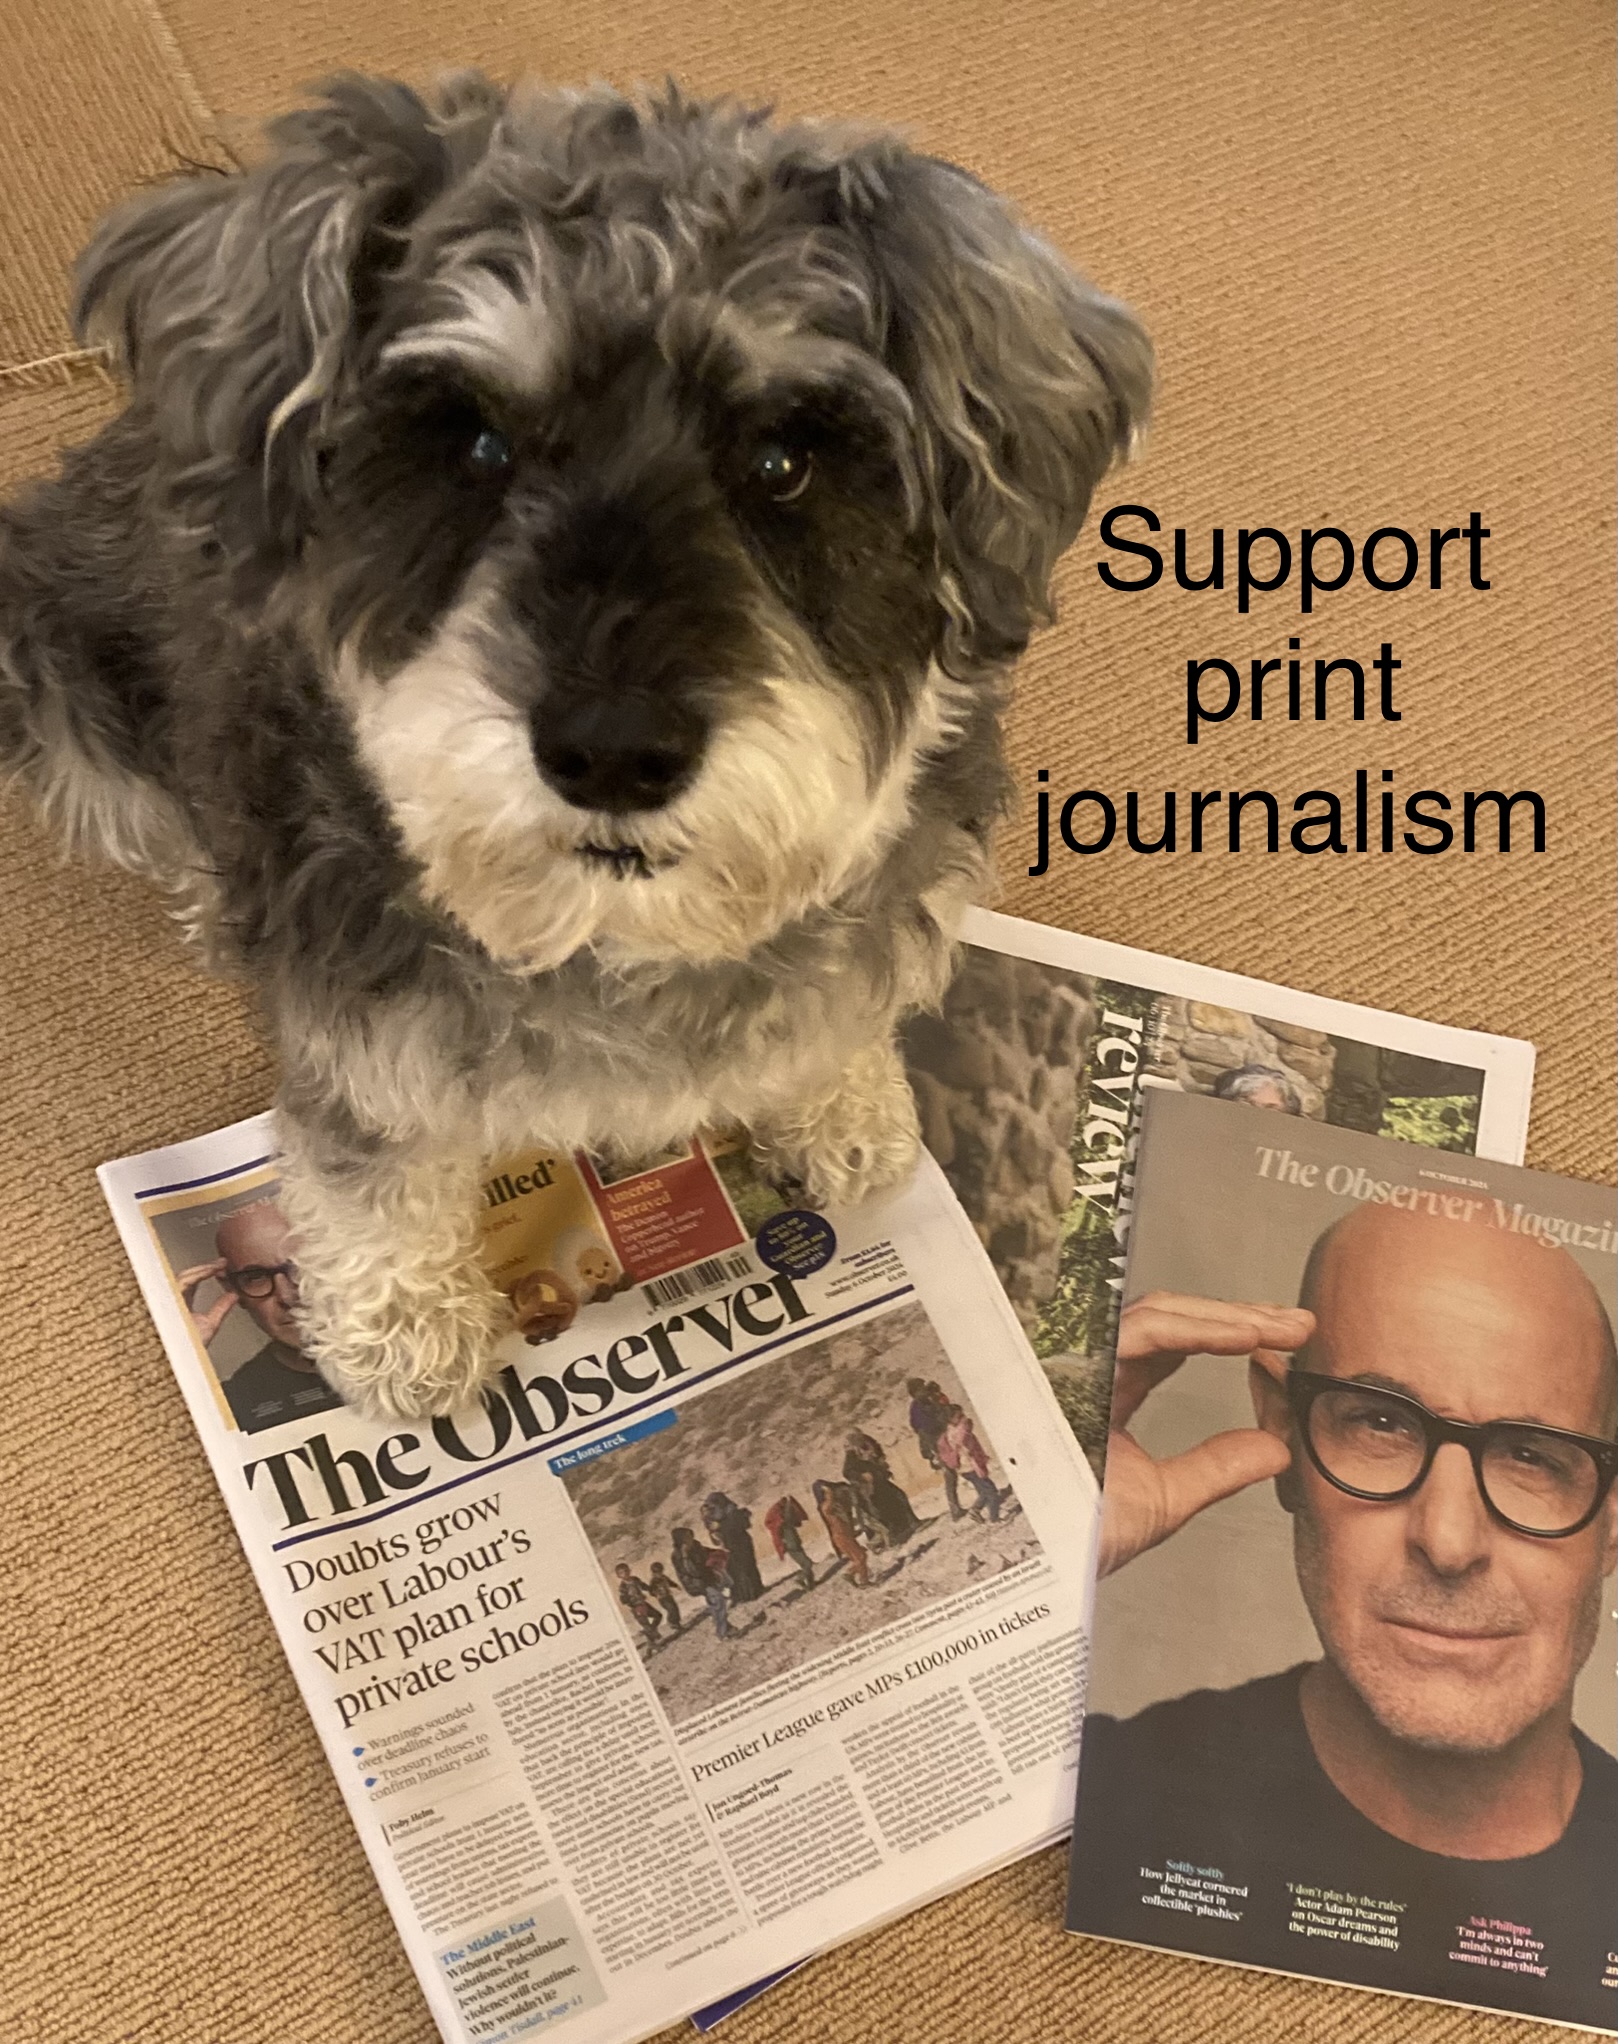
x: 696, y: 1277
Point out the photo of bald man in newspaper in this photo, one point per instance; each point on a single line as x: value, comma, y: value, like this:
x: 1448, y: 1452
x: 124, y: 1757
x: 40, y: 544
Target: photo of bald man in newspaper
x: 232, y: 1262
x: 1425, y: 1796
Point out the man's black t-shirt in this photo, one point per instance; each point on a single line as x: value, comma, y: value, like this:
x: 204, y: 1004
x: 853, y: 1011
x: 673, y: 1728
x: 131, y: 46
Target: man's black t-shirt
x: 1207, y: 1825
x: 270, y: 1388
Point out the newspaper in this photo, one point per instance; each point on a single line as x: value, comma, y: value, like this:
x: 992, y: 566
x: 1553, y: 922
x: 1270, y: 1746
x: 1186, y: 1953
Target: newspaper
x: 747, y: 1610
x: 1360, y: 1722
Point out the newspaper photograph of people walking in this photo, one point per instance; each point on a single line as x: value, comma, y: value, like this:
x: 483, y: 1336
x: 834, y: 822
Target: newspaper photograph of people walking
x: 820, y: 1498
x: 1353, y: 1709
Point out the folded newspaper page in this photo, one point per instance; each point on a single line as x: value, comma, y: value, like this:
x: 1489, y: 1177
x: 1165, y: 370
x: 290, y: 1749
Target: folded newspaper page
x: 745, y: 1611
x: 1032, y: 1081
x: 1358, y: 1720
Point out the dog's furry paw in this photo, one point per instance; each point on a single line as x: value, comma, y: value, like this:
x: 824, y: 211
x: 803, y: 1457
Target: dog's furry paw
x: 862, y: 1140
x: 394, y: 1306
x: 409, y: 1352
x: 782, y: 1180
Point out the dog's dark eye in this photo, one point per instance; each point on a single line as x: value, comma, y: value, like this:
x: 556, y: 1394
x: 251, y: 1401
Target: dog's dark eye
x: 490, y: 452
x: 781, y: 470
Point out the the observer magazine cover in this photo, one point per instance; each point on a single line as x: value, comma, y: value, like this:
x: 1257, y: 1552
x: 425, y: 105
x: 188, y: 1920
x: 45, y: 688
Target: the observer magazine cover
x: 1357, y: 1720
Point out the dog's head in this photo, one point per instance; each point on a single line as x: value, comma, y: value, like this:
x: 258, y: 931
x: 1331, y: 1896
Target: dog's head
x: 659, y: 487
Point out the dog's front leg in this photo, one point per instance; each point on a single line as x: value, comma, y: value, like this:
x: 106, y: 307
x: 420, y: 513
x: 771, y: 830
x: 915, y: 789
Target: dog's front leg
x: 856, y: 1139
x: 395, y: 1306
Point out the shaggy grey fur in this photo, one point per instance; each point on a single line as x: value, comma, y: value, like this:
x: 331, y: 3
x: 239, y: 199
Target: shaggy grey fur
x: 681, y: 472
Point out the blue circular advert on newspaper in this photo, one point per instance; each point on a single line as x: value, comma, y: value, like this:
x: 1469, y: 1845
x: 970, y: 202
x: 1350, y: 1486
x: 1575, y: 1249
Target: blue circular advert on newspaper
x: 796, y: 1243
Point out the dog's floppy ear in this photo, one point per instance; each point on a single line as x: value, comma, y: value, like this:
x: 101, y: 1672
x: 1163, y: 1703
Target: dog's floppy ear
x: 1027, y: 383
x: 234, y: 302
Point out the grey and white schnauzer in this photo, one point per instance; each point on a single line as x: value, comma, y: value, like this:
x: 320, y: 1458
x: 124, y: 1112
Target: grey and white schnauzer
x: 543, y: 615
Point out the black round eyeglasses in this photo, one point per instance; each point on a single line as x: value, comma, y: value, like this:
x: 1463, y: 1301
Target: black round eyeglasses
x: 257, y: 1280
x: 1379, y: 1445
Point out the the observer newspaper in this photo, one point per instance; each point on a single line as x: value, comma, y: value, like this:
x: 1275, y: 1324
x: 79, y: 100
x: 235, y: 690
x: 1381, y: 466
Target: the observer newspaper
x: 1360, y: 1722
x: 750, y: 1608
x: 746, y: 1610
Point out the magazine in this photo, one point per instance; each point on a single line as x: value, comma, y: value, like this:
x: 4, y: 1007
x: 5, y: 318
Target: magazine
x: 1358, y: 1719
x: 1032, y: 1079
x: 746, y: 1610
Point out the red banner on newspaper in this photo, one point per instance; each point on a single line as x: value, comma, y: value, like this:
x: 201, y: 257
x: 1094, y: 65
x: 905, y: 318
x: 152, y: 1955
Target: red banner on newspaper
x: 662, y: 1219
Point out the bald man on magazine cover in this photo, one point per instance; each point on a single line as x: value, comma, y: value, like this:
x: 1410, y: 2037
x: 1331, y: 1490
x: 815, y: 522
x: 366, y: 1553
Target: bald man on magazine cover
x: 1415, y: 1809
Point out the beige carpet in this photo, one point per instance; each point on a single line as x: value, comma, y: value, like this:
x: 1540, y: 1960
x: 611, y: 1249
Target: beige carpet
x: 1374, y: 244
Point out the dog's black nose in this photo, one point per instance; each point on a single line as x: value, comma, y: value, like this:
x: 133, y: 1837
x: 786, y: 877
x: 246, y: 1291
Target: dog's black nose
x: 629, y: 753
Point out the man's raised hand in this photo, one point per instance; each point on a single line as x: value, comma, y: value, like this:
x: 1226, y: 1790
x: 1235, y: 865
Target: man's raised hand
x: 1146, y: 1501
x: 190, y: 1282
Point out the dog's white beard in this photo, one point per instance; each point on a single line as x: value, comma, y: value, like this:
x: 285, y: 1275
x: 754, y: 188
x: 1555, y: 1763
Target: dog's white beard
x: 781, y: 818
